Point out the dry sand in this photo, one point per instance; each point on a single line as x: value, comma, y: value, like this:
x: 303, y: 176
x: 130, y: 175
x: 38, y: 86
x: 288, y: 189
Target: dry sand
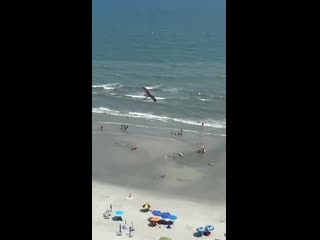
x: 184, y: 186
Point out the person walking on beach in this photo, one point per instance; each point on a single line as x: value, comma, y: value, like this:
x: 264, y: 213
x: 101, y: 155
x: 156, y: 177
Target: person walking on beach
x: 111, y: 207
x: 101, y: 128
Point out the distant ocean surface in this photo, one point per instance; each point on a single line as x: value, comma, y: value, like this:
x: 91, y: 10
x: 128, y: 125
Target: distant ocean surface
x: 179, y: 54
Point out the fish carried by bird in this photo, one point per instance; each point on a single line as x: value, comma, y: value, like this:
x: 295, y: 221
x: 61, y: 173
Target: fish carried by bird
x: 147, y: 94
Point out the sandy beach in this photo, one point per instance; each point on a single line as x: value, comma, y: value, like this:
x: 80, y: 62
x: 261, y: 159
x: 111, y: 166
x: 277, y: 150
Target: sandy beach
x: 184, y: 186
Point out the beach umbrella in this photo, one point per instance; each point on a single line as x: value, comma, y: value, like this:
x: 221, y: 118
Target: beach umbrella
x: 156, y: 213
x: 155, y: 219
x: 201, y: 229
x: 119, y: 213
x: 209, y: 228
x: 147, y: 205
x: 173, y: 217
x: 165, y: 215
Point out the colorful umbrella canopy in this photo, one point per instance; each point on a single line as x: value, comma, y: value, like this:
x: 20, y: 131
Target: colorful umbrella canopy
x: 156, y: 213
x: 119, y: 213
x: 147, y: 205
x: 201, y: 229
x: 173, y: 217
x: 209, y: 228
x: 166, y: 215
x: 155, y: 219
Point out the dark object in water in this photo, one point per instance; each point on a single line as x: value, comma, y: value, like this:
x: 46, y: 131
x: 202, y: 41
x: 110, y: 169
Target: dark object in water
x: 148, y: 94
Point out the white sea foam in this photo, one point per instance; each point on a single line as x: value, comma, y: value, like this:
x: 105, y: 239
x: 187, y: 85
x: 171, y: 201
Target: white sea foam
x: 141, y: 97
x: 106, y: 110
x: 204, y: 99
x: 109, y: 86
x: 135, y: 96
x: 152, y: 87
x: 150, y: 116
x: 207, y: 123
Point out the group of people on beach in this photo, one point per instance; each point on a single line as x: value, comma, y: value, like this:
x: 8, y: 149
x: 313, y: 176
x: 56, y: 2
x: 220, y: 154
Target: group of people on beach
x: 123, y: 226
x: 177, y: 133
x: 124, y: 128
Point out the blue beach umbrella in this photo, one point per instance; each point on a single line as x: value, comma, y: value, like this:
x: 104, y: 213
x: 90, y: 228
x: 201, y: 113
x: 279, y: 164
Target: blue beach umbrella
x: 119, y: 213
x: 201, y: 229
x: 166, y: 215
x: 209, y: 228
x: 173, y: 217
x: 156, y: 213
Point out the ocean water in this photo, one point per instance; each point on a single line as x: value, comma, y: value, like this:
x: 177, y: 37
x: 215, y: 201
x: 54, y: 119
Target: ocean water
x: 174, y: 48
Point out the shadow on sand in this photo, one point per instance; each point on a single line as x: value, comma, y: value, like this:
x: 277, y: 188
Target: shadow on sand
x: 151, y: 224
x: 144, y: 210
x: 197, y: 235
x: 115, y: 218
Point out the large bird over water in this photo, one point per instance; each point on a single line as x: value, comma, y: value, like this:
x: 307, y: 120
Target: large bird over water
x: 148, y: 94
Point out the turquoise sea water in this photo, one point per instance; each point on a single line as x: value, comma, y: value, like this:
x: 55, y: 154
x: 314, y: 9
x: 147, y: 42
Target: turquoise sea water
x: 176, y: 50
